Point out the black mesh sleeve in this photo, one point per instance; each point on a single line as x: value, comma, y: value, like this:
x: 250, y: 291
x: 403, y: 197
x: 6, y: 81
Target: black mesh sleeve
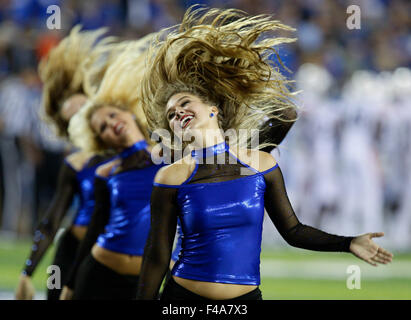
x: 157, y: 252
x: 49, y: 224
x: 99, y: 220
x: 296, y: 234
x: 275, y: 130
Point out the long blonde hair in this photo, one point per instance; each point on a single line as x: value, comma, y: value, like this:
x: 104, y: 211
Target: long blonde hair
x: 63, y: 71
x: 222, y: 56
x: 119, y: 88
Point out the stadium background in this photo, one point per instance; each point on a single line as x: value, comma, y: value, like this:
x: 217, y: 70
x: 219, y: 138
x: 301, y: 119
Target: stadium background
x: 346, y: 162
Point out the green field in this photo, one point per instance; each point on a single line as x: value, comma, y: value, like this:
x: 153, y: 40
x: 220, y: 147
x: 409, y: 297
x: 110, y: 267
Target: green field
x: 285, y: 274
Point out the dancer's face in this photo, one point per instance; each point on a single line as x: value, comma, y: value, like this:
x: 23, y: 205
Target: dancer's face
x: 185, y: 111
x: 71, y: 106
x: 114, y: 126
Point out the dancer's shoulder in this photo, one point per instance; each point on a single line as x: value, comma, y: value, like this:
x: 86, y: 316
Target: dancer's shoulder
x: 266, y: 161
x: 175, y: 173
x: 259, y: 160
x: 78, y: 159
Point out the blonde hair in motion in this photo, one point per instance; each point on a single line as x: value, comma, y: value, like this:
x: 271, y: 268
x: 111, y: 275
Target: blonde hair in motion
x: 222, y: 56
x: 63, y: 71
x: 119, y: 88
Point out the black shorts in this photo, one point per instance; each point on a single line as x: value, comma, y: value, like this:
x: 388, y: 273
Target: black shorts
x: 64, y: 257
x: 95, y: 281
x: 174, y: 292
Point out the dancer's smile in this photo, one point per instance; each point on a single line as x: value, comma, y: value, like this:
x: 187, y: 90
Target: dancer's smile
x: 185, y: 120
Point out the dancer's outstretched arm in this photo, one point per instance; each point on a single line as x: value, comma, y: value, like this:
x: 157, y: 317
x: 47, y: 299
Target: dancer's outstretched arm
x: 47, y: 228
x: 302, y: 236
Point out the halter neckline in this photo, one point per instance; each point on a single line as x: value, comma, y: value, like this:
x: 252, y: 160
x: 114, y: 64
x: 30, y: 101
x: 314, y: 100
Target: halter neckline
x: 139, y: 145
x: 210, y: 151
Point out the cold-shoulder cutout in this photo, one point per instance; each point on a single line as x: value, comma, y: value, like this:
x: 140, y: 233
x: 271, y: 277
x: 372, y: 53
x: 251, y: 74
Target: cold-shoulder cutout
x: 258, y: 160
x: 266, y: 161
x: 176, y: 173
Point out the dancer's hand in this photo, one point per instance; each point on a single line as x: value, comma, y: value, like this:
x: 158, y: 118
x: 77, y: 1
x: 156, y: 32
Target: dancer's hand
x: 25, y: 289
x: 364, y: 248
x: 66, y: 293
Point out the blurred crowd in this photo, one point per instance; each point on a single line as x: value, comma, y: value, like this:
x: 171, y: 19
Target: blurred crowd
x: 345, y: 160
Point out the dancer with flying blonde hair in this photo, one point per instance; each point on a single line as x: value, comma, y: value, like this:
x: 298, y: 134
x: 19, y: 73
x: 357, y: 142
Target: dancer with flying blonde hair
x: 210, y: 74
x: 65, y: 90
x: 109, y: 259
